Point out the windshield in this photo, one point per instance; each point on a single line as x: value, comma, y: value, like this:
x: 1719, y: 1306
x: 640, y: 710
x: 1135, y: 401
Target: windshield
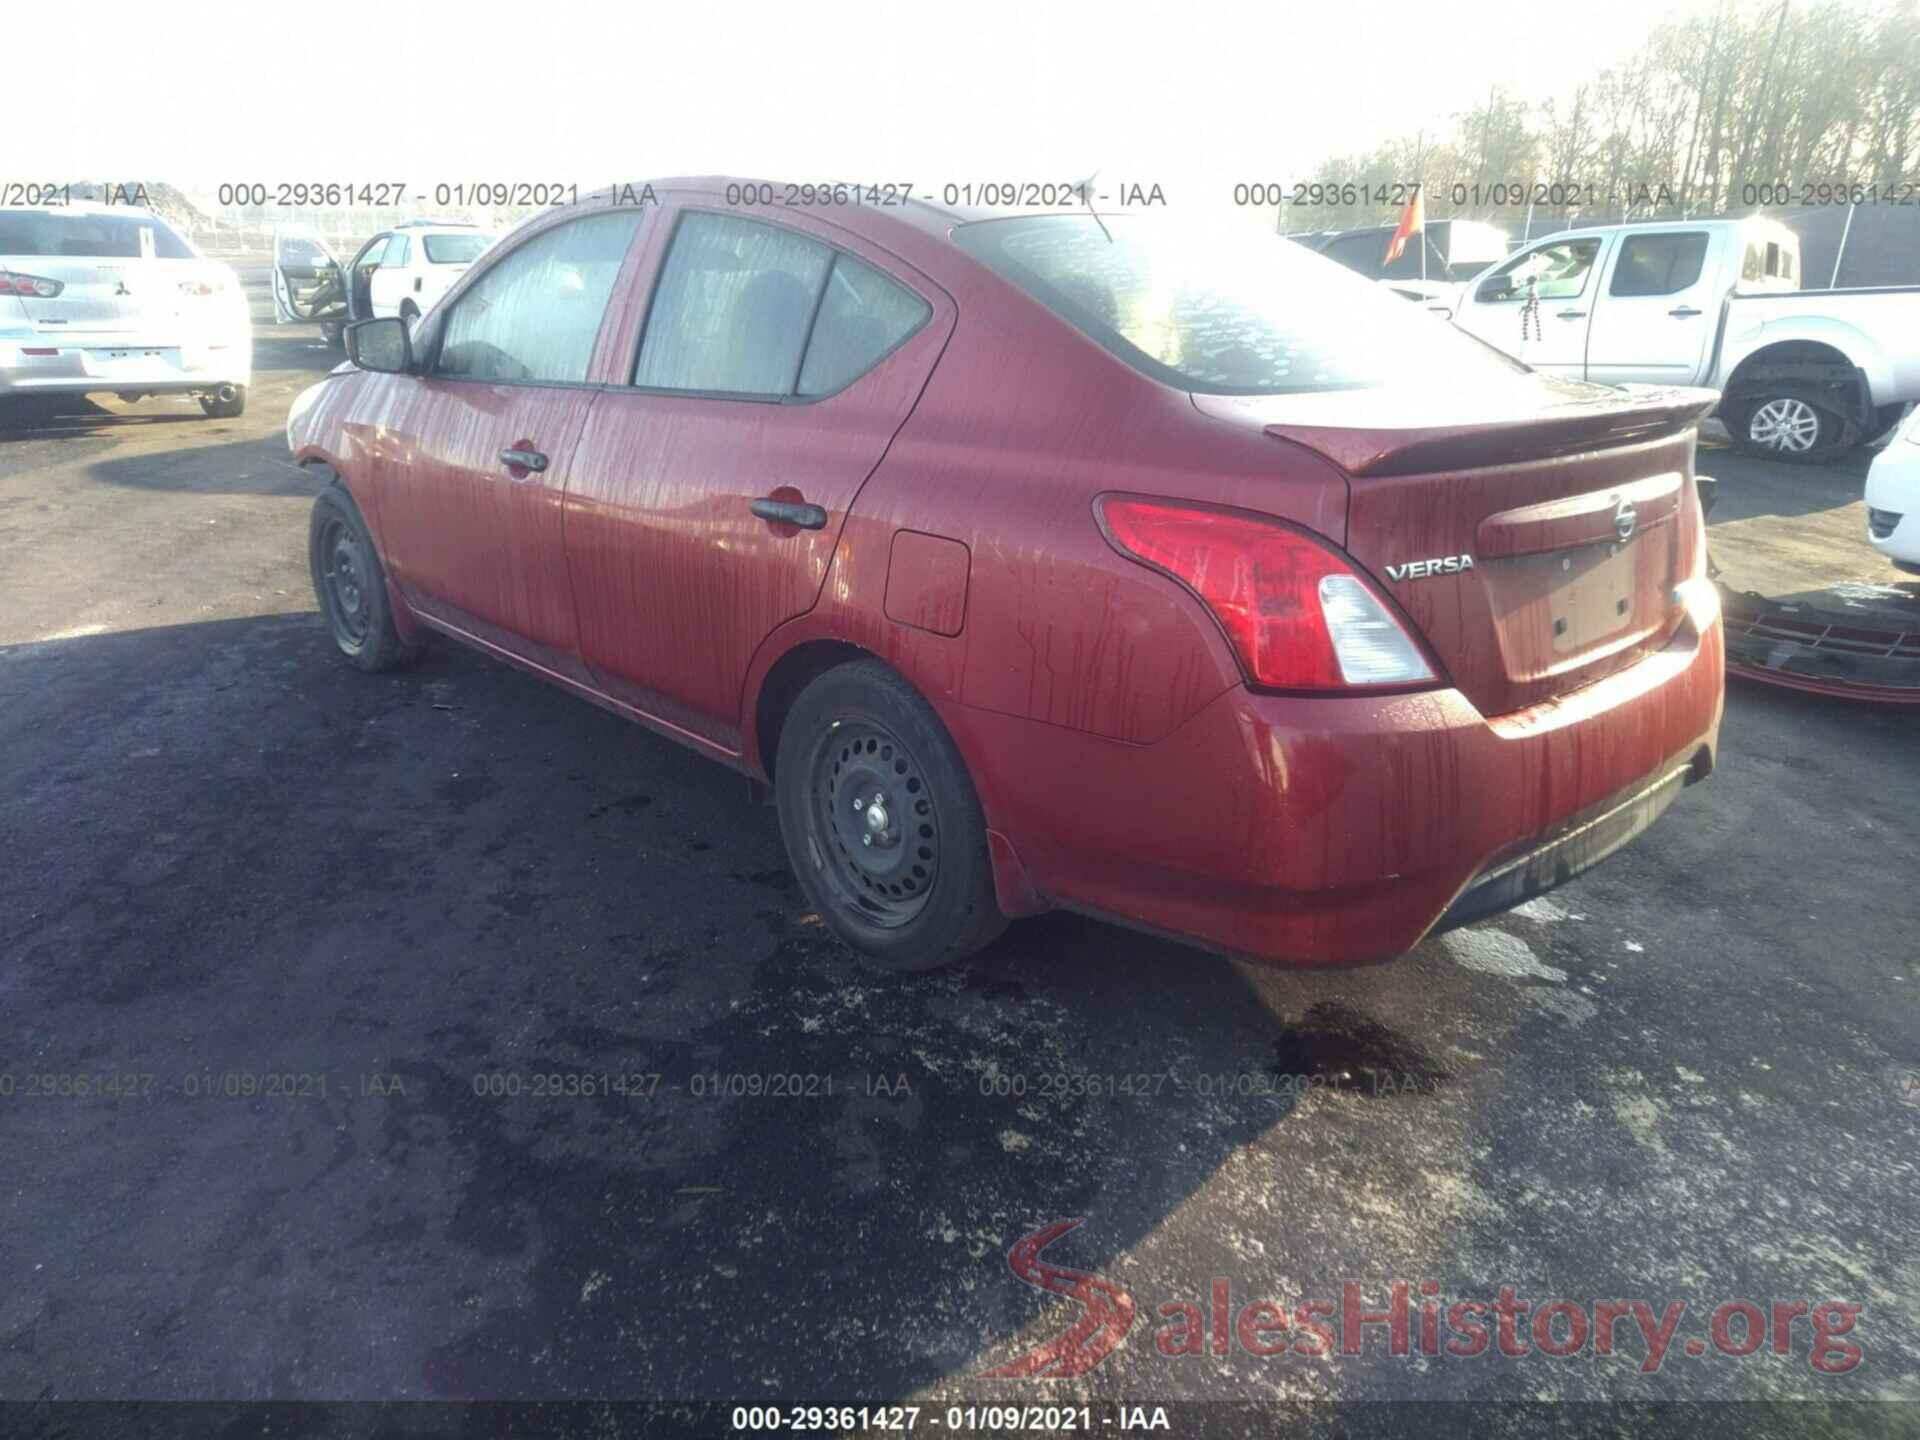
x: 86, y: 236
x: 462, y: 249
x: 1221, y: 312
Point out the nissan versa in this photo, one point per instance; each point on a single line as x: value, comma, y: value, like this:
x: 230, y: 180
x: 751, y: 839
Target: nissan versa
x: 1043, y: 559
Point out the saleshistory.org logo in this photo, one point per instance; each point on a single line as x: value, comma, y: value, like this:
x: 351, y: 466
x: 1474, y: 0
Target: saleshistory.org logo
x: 1557, y: 1328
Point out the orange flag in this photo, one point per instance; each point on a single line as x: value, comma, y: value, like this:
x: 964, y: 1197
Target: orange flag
x: 1413, y: 221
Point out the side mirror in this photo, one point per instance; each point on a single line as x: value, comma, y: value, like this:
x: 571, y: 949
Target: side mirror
x: 1498, y: 287
x: 381, y: 344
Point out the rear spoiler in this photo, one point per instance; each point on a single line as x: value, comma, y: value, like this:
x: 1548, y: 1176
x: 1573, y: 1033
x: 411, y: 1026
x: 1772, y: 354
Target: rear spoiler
x: 1604, y: 426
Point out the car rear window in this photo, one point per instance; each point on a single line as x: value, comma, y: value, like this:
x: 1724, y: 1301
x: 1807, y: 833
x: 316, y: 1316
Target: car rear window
x: 87, y: 236
x: 1220, y: 311
x: 456, y: 249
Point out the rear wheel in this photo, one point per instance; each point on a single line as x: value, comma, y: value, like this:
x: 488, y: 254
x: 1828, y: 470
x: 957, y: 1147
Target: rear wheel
x: 881, y: 821
x: 351, y: 584
x: 1787, y: 427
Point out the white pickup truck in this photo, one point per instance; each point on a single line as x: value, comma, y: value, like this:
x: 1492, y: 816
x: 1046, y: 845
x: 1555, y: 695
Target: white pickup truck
x: 1803, y: 374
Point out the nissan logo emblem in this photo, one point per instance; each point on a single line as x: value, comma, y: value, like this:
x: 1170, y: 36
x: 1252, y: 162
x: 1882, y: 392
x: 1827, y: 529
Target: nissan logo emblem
x: 1625, y: 517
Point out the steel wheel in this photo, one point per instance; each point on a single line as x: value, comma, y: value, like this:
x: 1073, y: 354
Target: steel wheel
x: 347, y: 584
x: 874, y: 822
x: 1786, y: 424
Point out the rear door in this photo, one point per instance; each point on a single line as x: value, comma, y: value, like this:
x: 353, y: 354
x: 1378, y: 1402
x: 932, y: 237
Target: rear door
x: 1657, y: 310
x: 774, y: 365
x: 1537, y: 306
x: 476, y: 451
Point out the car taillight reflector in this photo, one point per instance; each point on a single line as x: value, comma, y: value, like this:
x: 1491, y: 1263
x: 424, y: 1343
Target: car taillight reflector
x: 1296, y: 613
x: 33, y: 286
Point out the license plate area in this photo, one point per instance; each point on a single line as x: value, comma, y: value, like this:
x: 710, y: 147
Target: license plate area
x: 1563, y: 609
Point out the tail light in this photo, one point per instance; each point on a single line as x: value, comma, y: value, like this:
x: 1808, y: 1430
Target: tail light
x: 34, y: 287
x: 1298, y: 615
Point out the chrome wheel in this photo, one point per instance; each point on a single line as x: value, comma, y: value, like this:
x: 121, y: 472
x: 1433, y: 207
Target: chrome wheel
x: 1786, y: 424
x: 874, y: 824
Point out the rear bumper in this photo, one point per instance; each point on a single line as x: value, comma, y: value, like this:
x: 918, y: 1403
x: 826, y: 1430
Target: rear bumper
x: 1342, y: 831
x: 106, y: 363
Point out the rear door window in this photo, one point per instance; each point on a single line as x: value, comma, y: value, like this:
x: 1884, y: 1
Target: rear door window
x: 758, y: 311
x: 1659, y: 264
x: 731, y: 312
x: 455, y: 249
x: 533, y: 316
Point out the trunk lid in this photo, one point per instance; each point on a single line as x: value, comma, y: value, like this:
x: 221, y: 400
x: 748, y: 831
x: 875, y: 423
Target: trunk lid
x: 1532, y: 532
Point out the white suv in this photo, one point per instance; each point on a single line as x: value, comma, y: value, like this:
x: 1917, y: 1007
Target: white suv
x: 111, y: 299
x: 400, y: 272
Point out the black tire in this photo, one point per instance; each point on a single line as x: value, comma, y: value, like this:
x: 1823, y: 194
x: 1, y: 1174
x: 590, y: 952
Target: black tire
x: 1790, y: 428
x: 351, y: 584
x: 919, y: 893
x: 225, y: 409
x: 334, y: 335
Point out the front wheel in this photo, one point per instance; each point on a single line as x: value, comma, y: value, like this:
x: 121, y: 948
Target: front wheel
x: 351, y: 584
x: 881, y: 821
x: 1786, y: 427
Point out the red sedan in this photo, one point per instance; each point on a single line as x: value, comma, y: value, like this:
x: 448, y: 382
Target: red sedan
x: 1038, y: 560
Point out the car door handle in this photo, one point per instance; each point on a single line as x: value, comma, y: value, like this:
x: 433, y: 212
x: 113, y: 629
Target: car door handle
x: 1572, y: 314
x: 790, y: 512
x: 1682, y: 312
x: 525, y: 459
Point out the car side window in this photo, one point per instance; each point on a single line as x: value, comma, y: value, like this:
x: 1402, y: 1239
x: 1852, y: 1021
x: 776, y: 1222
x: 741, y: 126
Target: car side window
x: 731, y: 311
x: 396, y: 251
x: 748, y: 309
x: 534, y: 314
x: 1659, y: 264
x: 1553, y: 272
x: 862, y: 318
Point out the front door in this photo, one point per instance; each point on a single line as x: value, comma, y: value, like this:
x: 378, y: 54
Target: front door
x: 1658, y: 317
x: 1537, y: 306
x: 477, y: 452
x: 776, y: 363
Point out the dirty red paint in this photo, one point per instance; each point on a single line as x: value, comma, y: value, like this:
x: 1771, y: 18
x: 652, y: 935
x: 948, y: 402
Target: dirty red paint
x: 1124, y: 766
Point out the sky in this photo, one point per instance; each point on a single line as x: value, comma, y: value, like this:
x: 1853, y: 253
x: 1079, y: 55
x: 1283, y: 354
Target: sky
x: 1193, y: 97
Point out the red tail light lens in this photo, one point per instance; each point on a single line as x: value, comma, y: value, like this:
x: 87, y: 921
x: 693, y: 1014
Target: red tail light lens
x: 34, y: 287
x: 1298, y: 616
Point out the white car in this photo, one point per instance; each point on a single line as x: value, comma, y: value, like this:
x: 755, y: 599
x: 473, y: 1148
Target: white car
x: 400, y: 272
x: 1803, y: 374
x: 111, y: 299
x: 1893, y: 497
